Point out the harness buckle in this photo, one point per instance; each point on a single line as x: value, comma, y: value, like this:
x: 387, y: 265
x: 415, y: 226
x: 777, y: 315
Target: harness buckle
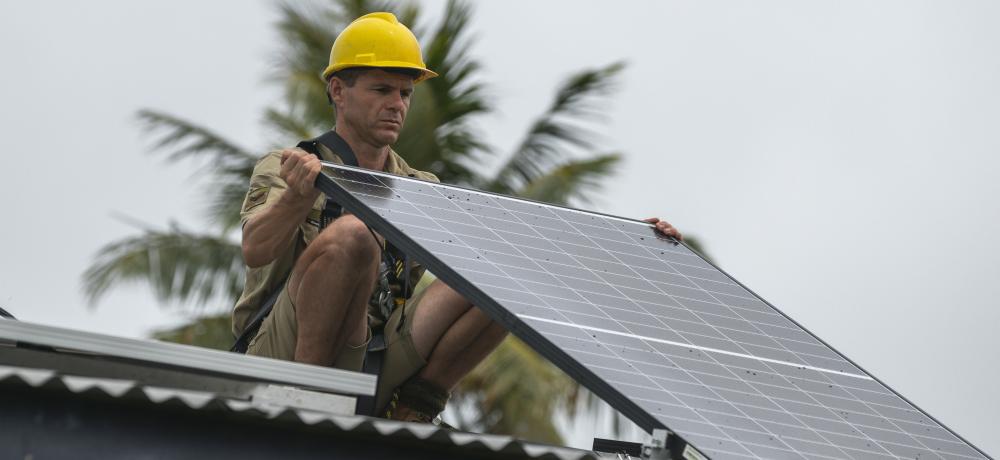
x: 382, y: 298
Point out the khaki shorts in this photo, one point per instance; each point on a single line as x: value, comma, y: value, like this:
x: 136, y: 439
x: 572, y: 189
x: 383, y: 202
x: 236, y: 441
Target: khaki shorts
x: 278, y: 333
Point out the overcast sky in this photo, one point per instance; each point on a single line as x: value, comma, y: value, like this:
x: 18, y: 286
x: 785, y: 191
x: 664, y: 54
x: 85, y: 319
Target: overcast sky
x: 838, y: 158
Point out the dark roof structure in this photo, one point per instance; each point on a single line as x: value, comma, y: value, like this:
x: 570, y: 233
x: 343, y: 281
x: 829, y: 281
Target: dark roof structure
x: 62, y: 401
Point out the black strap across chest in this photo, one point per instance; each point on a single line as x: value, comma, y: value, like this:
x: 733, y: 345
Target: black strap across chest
x: 336, y: 144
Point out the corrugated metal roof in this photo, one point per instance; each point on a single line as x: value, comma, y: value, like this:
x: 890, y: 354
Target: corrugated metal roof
x: 136, y: 392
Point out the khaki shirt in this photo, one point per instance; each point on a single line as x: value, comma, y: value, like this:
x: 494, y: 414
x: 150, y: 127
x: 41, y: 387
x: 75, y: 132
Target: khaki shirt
x: 266, y: 187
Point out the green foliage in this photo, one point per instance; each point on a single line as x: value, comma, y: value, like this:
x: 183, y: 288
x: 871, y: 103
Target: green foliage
x: 211, y: 331
x: 178, y: 265
x: 516, y: 392
x: 695, y: 244
x: 438, y: 135
x: 572, y: 178
x: 556, y: 132
x: 229, y: 165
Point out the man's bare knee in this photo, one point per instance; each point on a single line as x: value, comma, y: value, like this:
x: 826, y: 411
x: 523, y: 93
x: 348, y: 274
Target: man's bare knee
x: 348, y: 237
x: 345, y: 247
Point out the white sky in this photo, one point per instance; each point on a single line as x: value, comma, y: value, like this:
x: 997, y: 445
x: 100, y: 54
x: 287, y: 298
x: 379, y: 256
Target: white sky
x: 839, y: 158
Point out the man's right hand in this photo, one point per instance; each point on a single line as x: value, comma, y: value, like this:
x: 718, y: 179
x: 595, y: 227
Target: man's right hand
x: 299, y: 169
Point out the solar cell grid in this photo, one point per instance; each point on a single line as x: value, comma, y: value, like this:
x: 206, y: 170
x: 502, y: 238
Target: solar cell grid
x: 651, y: 327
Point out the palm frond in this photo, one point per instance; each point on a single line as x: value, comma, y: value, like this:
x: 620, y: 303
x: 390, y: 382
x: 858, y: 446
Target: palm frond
x: 224, y: 199
x: 231, y: 164
x: 307, y: 31
x: 210, y: 331
x: 289, y: 127
x: 187, y: 139
x: 177, y: 265
x: 439, y: 136
x: 572, y: 180
x: 698, y: 246
x: 352, y: 9
x: 559, y: 130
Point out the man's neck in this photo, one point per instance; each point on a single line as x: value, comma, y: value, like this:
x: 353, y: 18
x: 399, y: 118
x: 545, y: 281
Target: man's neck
x: 369, y: 156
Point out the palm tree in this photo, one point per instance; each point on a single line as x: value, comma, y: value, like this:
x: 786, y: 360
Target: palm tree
x: 554, y: 162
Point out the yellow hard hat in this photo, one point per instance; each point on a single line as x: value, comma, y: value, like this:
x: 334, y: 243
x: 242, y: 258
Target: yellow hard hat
x: 377, y: 40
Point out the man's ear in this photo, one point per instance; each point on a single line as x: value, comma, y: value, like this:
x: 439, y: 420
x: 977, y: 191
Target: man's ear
x: 335, y: 91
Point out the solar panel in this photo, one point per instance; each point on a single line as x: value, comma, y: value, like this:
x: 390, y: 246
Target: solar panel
x: 647, y: 324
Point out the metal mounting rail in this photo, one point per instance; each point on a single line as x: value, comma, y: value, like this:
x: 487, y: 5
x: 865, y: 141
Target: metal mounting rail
x: 200, y: 360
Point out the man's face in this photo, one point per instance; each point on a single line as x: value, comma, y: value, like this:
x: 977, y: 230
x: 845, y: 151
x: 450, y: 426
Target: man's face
x: 375, y: 107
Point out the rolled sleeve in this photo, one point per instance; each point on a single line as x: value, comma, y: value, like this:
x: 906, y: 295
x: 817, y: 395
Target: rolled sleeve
x: 266, y: 186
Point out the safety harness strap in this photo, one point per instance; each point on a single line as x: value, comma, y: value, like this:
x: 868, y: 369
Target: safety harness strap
x: 374, y: 357
x: 243, y: 341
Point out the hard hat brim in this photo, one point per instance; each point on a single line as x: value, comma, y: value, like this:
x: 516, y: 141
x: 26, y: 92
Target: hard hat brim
x: 425, y: 74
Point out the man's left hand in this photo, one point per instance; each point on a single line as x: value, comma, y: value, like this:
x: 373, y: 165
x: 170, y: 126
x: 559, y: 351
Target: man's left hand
x: 665, y: 228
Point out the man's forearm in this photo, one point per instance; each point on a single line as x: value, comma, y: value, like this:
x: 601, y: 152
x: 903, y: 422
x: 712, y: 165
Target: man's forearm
x: 267, y: 234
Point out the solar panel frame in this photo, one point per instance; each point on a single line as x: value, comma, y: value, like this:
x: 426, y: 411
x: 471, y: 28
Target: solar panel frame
x: 189, y: 358
x: 538, y: 341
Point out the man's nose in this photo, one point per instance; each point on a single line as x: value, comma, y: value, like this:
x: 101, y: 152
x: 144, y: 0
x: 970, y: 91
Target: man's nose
x: 396, y: 102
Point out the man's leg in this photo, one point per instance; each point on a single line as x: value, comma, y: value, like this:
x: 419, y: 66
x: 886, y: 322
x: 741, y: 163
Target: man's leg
x: 330, y: 286
x: 452, y: 335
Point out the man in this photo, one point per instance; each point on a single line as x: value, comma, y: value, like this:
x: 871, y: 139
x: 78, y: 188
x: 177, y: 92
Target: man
x: 324, y: 313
